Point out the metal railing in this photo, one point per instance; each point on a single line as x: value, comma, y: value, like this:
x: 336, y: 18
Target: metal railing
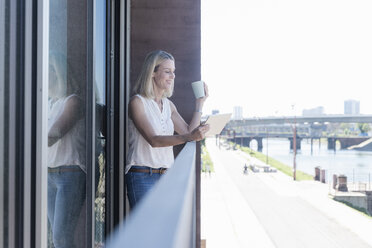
x: 166, y: 217
x: 359, y: 182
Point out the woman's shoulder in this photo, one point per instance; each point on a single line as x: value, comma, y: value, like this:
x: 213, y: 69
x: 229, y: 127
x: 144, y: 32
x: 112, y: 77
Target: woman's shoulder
x: 136, y: 102
x: 73, y: 99
x: 135, y: 99
x: 171, y: 104
x: 74, y: 102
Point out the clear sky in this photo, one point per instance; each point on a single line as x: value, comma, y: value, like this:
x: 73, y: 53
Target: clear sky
x: 267, y: 55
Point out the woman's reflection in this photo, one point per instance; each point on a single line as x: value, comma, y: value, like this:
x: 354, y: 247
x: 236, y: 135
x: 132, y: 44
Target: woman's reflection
x: 66, y: 153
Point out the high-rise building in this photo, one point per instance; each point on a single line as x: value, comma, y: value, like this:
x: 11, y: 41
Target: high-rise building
x: 215, y: 111
x: 313, y: 112
x: 238, y: 113
x: 351, y: 107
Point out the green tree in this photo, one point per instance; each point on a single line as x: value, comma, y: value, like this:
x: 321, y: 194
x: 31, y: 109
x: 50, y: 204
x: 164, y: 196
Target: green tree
x: 346, y: 128
x: 364, y: 127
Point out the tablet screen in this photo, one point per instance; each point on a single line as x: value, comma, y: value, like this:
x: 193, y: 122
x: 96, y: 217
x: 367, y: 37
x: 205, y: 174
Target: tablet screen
x: 216, y: 123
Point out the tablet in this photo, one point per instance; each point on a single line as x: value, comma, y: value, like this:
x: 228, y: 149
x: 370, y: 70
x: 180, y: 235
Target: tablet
x: 216, y: 123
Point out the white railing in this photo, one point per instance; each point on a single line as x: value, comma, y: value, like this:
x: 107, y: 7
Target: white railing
x: 165, y: 218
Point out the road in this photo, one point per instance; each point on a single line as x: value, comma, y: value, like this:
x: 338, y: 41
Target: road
x: 272, y: 210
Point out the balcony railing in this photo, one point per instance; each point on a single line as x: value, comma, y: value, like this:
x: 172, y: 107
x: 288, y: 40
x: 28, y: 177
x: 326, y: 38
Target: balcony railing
x: 166, y: 217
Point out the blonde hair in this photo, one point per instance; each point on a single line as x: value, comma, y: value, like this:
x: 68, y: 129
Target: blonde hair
x: 143, y: 85
x: 66, y: 82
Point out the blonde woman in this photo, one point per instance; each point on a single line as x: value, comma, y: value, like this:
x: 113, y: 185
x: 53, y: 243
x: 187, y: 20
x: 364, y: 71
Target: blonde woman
x: 66, y: 152
x: 153, y: 119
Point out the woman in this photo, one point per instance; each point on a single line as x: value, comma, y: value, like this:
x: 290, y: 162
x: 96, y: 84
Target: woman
x: 153, y: 118
x: 66, y: 152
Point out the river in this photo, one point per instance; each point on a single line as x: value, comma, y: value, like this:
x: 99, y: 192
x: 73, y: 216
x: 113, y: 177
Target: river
x: 356, y: 165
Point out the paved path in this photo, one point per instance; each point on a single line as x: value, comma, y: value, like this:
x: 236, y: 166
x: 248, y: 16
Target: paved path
x: 271, y: 210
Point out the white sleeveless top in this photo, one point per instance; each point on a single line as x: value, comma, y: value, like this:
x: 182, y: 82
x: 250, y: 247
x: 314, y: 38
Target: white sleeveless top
x: 141, y: 153
x: 70, y: 149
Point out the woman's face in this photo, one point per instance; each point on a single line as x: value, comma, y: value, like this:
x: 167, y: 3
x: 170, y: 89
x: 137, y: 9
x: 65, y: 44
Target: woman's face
x: 165, y: 75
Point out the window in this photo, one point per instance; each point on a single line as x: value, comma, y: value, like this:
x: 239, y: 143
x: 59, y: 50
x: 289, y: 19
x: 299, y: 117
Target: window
x: 4, y: 42
x: 68, y: 122
x: 100, y: 142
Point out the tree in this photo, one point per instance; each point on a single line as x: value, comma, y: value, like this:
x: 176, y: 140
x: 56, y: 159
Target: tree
x: 364, y: 128
x: 346, y: 128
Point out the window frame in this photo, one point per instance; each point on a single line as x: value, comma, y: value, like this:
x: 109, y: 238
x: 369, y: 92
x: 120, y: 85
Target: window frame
x: 2, y: 106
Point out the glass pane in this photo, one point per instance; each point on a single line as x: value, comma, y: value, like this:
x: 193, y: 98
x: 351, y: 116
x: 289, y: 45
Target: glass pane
x: 66, y: 123
x: 100, y: 74
x: 4, y: 42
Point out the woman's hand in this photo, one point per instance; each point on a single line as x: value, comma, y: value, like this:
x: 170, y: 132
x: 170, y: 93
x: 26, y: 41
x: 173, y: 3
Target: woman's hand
x: 199, y: 133
x: 200, y: 101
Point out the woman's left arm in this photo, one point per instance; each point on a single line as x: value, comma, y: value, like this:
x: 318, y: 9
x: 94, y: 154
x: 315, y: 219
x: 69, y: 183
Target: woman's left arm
x: 180, y: 126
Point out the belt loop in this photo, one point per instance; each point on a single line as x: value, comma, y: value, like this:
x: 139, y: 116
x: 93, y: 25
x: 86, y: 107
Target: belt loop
x: 150, y: 171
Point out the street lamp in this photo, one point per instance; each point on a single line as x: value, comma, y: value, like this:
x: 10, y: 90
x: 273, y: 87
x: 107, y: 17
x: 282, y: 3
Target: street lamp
x: 294, y: 145
x: 267, y: 146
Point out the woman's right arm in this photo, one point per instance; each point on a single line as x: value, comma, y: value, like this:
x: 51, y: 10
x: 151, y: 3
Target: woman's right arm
x: 72, y: 112
x: 139, y: 118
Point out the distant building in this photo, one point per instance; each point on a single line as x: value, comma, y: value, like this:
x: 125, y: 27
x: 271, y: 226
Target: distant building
x: 215, y: 111
x: 313, y: 111
x: 351, y: 107
x: 237, y: 113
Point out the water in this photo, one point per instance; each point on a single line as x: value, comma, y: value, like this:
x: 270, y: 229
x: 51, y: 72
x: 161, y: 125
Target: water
x: 356, y: 165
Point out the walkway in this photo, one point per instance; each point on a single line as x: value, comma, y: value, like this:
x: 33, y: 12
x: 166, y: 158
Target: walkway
x: 271, y: 210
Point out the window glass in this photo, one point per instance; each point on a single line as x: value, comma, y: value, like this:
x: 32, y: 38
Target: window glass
x: 67, y: 147
x: 4, y: 42
x: 100, y: 74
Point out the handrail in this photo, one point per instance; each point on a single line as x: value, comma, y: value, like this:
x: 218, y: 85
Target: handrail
x: 165, y: 218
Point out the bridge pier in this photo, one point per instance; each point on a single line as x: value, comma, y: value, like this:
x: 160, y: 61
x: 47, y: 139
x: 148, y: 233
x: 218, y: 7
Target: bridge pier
x: 345, y: 142
x: 246, y: 141
x: 259, y: 144
x: 298, y: 143
x: 312, y: 139
x: 331, y: 144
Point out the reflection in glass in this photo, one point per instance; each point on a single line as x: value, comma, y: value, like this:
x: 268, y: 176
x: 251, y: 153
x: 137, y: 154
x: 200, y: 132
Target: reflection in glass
x: 66, y: 153
x: 100, y: 176
x: 4, y: 48
x: 2, y: 58
x: 66, y: 125
x: 99, y: 78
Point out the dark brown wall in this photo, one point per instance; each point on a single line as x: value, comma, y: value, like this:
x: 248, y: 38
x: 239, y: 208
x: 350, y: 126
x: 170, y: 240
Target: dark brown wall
x: 172, y: 26
x: 77, y: 39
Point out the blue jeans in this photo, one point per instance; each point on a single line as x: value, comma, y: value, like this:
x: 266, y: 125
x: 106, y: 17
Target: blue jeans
x: 139, y: 183
x: 66, y: 195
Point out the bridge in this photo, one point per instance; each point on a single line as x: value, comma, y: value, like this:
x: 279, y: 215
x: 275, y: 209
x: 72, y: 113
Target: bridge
x: 246, y: 130
x: 301, y: 119
x: 345, y: 142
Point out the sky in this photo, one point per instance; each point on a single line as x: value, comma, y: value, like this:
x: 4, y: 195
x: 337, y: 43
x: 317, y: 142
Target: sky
x: 278, y: 57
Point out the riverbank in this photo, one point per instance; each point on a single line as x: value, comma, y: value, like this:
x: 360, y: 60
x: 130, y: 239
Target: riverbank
x: 267, y: 160
x: 234, y: 213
